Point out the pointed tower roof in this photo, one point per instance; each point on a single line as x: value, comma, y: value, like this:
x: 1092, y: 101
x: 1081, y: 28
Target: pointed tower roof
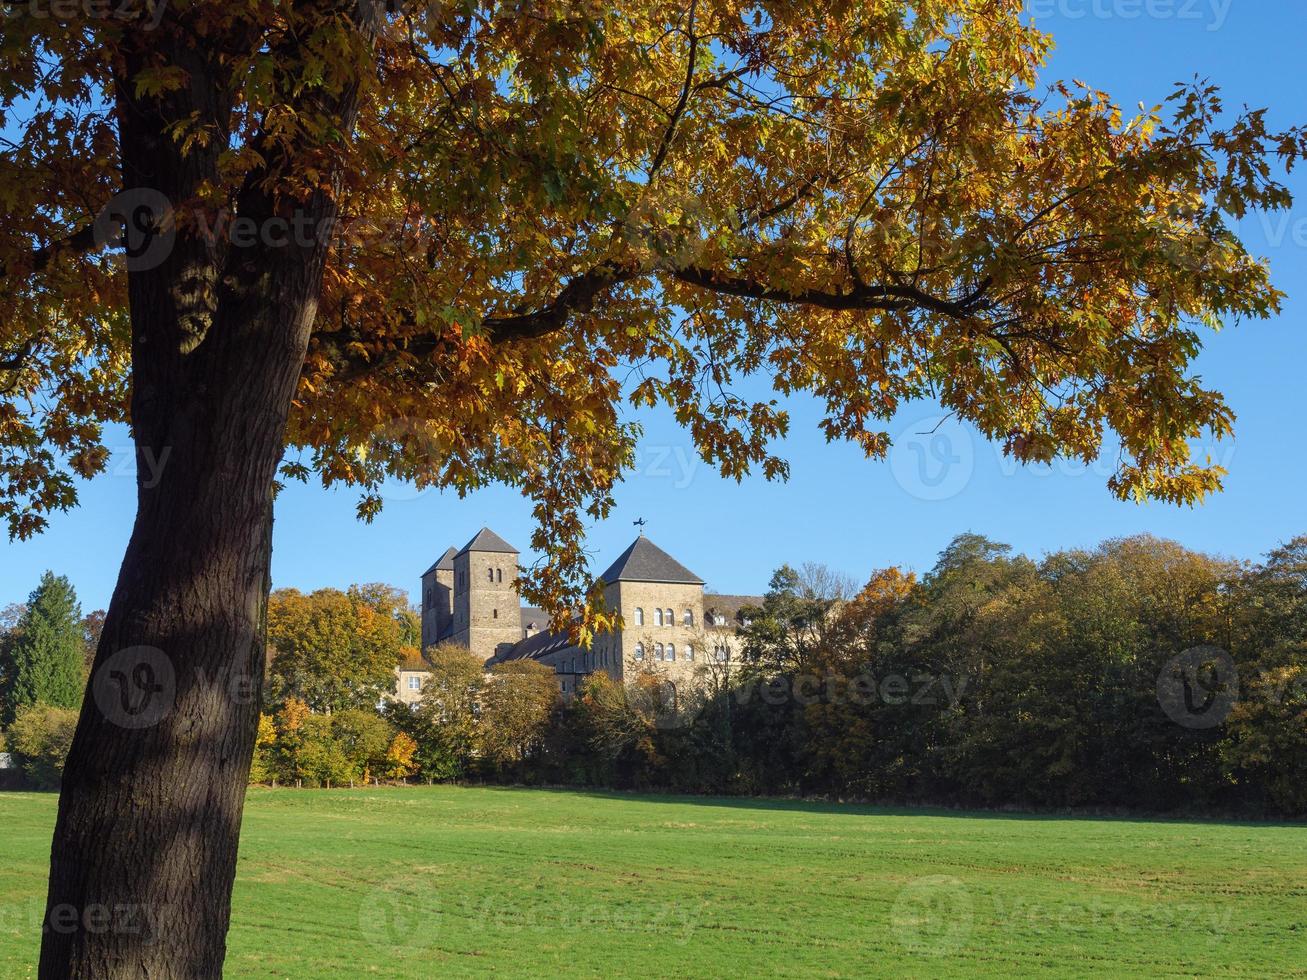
x: 644, y: 561
x: 445, y: 563
x: 488, y: 540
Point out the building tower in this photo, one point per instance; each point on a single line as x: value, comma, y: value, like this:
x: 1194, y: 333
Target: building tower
x: 487, y: 608
x: 438, y: 600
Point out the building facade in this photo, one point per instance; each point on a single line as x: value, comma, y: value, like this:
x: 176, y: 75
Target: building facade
x: 671, y: 627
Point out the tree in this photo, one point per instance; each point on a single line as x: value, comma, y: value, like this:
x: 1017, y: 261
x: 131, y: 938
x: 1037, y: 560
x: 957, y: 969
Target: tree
x: 10, y: 617
x: 92, y: 626
x: 365, y: 739
x: 445, y: 722
x: 790, y: 625
x: 332, y: 649
x: 400, y: 757
x: 516, y: 703
x: 44, y: 660
x: 39, y: 738
x: 262, y: 767
x: 418, y: 240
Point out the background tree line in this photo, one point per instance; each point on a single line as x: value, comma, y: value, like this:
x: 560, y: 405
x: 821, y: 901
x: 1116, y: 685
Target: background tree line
x: 992, y: 680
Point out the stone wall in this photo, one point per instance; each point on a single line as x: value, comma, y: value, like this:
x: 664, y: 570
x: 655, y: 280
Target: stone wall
x: 487, y: 607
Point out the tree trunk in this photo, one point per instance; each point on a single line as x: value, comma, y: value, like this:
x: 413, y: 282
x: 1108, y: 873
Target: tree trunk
x: 144, y: 851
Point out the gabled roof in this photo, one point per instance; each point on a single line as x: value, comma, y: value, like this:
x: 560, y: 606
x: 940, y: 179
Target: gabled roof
x: 444, y: 563
x: 644, y: 561
x: 534, y: 647
x: 488, y: 540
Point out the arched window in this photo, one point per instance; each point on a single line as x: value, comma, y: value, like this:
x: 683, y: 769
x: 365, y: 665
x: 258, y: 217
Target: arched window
x: 639, y: 651
x: 659, y: 652
x: 658, y: 617
x: 499, y: 575
x: 491, y: 572
x: 689, y: 651
x: 671, y: 651
x: 688, y: 618
x: 669, y: 618
x: 639, y: 616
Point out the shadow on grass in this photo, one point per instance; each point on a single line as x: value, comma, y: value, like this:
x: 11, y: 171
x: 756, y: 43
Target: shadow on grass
x: 797, y: 805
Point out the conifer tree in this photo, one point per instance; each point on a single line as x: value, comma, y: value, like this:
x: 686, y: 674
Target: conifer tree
x: 44, y: 659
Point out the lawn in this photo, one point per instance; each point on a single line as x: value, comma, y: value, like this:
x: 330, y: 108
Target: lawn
x: 426, y: 882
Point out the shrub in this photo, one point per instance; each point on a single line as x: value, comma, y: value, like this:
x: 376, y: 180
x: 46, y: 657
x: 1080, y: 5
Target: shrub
x: 39, y: 740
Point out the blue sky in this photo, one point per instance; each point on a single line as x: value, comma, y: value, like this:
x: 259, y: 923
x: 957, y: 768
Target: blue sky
x: 838, y: 508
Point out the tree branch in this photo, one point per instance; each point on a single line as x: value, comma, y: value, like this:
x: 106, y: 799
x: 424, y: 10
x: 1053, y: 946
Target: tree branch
x: 577, y: 296
x: 686, y: 89
x: 870, y: 297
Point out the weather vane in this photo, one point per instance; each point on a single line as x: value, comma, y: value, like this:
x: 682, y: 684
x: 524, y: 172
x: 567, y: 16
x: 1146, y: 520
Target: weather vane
x: 640, y: 524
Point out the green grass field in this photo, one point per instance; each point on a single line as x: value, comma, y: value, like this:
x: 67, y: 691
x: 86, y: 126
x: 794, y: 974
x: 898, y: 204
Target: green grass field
x: 427, y: 882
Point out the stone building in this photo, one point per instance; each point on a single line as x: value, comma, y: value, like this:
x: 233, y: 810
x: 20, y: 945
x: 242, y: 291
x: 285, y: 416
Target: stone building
x: 671, y: 626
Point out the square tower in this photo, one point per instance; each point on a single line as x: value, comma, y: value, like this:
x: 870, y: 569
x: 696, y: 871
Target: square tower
x: 438, y: 600
x: 661, y: 604
x: 487, y: 607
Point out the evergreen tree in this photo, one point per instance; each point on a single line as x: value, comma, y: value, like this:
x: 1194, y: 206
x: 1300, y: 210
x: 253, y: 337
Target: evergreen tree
x: 44, y: 662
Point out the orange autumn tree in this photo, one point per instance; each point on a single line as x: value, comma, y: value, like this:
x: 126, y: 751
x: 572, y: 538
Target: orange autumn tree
x: 452, y: 242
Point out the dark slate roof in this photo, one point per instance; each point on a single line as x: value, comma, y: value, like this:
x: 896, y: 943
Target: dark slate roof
x: 488, y: 540
x: 534, y: 647
x: 530, y: 614
x: 728, y: 606
x: 444, y: 563
x: 644, y: 561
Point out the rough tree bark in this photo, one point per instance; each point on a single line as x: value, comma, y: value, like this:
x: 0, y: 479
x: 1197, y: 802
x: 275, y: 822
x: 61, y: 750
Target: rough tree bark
x: 144, y: 851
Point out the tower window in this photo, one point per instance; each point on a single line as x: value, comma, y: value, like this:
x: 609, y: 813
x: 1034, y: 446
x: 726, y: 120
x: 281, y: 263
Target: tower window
x: 669, y: 618
x: 658, y: 617
x: 689, y: 651
x: 639, y: 651
x: 688, y: 618
x: 671, y: 651
x: 659, y: 652
x: 499, y: 575
x: 494, y: 614
x: 639, y: 616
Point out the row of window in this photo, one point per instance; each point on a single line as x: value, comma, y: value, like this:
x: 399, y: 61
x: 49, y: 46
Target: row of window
x: 665, y: 617
x: 664, y: 653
